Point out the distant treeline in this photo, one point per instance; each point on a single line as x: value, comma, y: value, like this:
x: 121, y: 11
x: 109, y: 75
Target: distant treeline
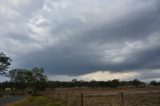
x: 79, y: 84
x: 100, y: 84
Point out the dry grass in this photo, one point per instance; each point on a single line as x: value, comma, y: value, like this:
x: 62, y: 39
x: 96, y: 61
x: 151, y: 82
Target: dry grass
x: 36, y: 101
x: 108, y: 97
x: 152, y: 99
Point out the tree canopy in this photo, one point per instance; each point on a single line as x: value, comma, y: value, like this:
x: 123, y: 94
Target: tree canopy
x: 5, y: 62
x: 34, y: 78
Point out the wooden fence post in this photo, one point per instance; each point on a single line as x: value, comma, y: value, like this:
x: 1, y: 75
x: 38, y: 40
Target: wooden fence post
x: 66, y: 98
x: 81, y: 99
x: 121, y: 99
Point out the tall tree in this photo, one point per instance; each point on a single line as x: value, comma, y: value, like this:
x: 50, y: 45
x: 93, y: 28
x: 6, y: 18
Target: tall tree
x: 34, y: 78
x: 5, y: 62
x: 39, y: 78
x: 19, y: 76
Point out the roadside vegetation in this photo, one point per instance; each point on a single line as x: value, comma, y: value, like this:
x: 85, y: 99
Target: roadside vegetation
x: 36, y: 101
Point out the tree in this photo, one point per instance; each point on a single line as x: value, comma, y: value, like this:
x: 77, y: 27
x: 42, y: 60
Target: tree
x: 74, y: 80
x: 114, y: 83
x: 34, y: 78
x: 136, y: 82
x: 39, y: 78
x: 155, y: 83
x: 5, y: 62
x: 20, y: 77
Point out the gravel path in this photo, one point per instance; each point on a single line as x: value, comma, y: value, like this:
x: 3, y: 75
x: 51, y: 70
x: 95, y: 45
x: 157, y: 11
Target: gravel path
x: 10, y: 99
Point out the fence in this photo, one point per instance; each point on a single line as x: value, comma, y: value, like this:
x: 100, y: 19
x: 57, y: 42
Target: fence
x: 106, y: 99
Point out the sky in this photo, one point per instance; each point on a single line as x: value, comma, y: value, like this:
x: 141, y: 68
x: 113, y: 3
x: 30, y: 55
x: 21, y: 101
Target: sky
x: 83, y: 39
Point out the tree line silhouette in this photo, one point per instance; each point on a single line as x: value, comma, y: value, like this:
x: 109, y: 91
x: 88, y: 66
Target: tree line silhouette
x: 78, y: 84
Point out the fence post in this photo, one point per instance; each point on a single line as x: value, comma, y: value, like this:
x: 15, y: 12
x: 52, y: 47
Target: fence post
x: 81, y: 99
x: 66, y: 98
x: 121, y: 99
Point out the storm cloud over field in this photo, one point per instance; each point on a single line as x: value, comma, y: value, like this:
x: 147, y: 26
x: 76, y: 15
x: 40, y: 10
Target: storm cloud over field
x: 84, y: 39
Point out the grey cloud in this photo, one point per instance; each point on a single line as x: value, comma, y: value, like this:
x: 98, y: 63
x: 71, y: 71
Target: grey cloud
x: 68, y: 40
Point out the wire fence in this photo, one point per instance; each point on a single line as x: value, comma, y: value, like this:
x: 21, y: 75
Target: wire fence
x: 105, y: 99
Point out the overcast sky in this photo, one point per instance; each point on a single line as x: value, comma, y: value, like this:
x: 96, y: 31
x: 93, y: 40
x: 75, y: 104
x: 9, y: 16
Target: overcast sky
x: 83, y: 39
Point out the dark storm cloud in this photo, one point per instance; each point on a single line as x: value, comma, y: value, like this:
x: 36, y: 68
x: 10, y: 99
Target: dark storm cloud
x: 79, y: 37
x: 135, y: 26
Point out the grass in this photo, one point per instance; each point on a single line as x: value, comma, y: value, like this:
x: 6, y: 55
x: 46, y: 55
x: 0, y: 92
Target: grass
x: 36, y: 101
